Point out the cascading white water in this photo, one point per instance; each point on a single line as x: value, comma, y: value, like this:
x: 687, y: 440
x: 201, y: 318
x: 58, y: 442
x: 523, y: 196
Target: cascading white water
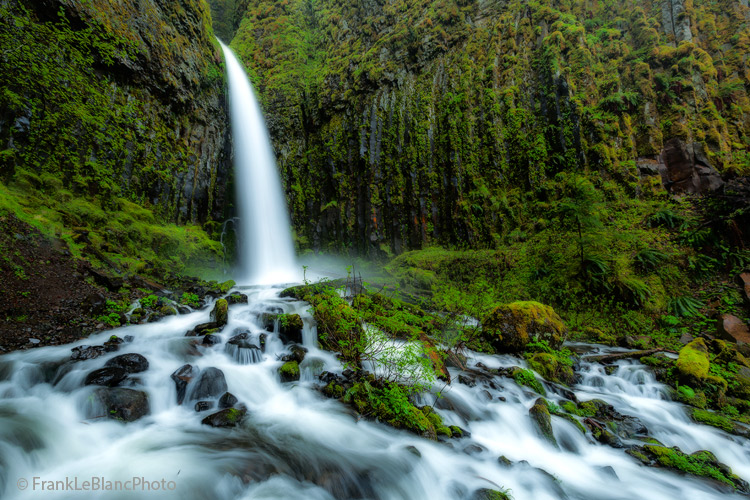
x: 266, y: 250
x: 295, y: 444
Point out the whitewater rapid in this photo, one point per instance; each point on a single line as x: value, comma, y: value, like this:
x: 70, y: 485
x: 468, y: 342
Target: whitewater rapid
x: 295, y: 443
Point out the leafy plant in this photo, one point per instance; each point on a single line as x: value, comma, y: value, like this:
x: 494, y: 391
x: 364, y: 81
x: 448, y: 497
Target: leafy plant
x: 188, y: 299
x: 684, y: 306
x: 649, y: 258
x: 149, y: 301
x: 667, y: 218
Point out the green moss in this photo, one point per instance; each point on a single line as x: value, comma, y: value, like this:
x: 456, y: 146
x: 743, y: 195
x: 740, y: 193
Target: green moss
x: 528, y: 379
x: 693, y: 362
x: 712, y: 419
x: 290, y: 321
x: 700, y: 463
x: 225, y: 286
x: 390, y: 404
x: 220, y: 312
x: 289, y: 371
x: 512, y: 326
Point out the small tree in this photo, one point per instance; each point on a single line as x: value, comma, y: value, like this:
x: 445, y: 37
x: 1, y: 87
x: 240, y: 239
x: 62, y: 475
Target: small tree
x: 580, y: 206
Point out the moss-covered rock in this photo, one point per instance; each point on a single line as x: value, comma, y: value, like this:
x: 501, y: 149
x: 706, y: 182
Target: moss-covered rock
x: 693, y: 362
x: 220, y: 312
x: 229, y: 417
x: 526, y: 378
x: 701, y: 464
x: 542, y: 422
x: 548, y: 366
x: 290, y: 328
x: 487, y: 494
x: 510, y: 327
x: 289, y: 371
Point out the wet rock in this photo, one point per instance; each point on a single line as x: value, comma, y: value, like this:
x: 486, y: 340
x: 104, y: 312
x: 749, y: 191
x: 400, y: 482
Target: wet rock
x: 183, y: 310
x: 203, y: 406
x: 290, y: 328
x: 488, y: 494
x: 131, y: 362
x: 211, y: 339
x: 228, y: 400
x: 237, y: 298
x: 242, y: 350
x: 732, y: 329
x: 210, y: 384
x: 262, y: 341
x: 298, y: 354
x: 229, y: 417
x: 510, y: 327
x: 701, y: 464
x: 474, y: 449
x: 289, y: 371
x: 239, y: 338
x: 204, y: 329
x: 122, y: 404
x: 601, y: 433
x: 182, y: 376
x: 113, y: 343
x: 414, y: 451
x: 504, y: 461
x: 86, y: 352
x: 467, y: 380
x: 268, y: 321
x: 542, y: 421
x: 109, y: 376
x: 220, y: 312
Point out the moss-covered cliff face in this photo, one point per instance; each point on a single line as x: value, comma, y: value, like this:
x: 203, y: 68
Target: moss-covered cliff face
x: 400, y: 124
x: 114, y: 102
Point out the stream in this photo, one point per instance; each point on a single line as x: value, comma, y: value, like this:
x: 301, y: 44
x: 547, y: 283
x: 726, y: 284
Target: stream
x: 297, y: 444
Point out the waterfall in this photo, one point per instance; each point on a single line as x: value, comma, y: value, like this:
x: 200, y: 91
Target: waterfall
x: 266, y: 253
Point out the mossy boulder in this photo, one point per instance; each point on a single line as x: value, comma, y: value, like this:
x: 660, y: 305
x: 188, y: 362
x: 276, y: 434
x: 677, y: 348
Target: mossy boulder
x: 702, y: 464
x: 487, y: 494
x: 220, y: 312
x: 229, y: 417
x: 237, y: 298
x: 550, y: 368
x: 693, y: 362
x: 693, y: 368
x: 290, y: 328
x: 542, y: 421
x: 510, y: 327
x: 289, y: 371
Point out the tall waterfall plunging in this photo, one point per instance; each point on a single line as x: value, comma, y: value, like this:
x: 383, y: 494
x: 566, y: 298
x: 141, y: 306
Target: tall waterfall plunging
x: 266, y: 252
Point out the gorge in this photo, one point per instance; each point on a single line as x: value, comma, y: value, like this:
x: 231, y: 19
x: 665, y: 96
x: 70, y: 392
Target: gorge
x: 514, y: 262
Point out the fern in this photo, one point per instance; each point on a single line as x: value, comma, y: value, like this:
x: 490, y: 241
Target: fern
x: 666, y: 218
x: 649, y: 258
x: 684, y: 306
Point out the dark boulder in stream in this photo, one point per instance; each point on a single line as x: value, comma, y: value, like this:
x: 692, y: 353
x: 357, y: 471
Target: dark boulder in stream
x: 86, y: 352
x: 131, y: 362
x: 210, y: 384
x: 109, y: 376
x: 119, y: 403
x: 228, y: 417
x: 228, y: 400
x: 182, y: 376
